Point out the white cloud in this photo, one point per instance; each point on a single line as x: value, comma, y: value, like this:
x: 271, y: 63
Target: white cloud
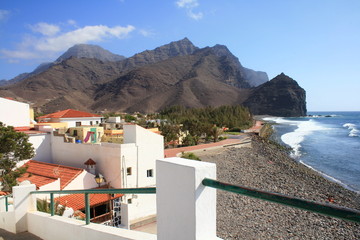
x: 82, y: 35
x: 45, y: 28
x: 71, y: 22
x: 4, y: 14
x: 19, y: 54
x: 196, y: 16
x: 53, y: 41
x: 189, y: 5
x: 146, y: 33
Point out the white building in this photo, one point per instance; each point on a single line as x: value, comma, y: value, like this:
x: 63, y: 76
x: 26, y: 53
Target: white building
x: 72, y: 117
x: 19, y: 115
x: 128, y: 165
x: 14, y: 113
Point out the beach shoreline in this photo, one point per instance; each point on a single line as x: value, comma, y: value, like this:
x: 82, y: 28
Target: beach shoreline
x: 265, y: 166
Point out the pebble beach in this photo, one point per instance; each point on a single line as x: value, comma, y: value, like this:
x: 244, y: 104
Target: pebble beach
x: 265, y: 166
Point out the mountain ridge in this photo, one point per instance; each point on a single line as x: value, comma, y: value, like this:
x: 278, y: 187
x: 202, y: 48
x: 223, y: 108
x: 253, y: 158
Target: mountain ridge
x: 178, y: 73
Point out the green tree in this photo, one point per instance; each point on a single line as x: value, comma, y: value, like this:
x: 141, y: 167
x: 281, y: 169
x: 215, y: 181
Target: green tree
x: 188, y: 140
x: 215, y: 132
x: 170, y: 132
x: 14, y: 147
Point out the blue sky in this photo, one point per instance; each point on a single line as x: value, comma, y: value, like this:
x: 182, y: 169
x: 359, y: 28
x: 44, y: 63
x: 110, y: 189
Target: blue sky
x: 317, y: 43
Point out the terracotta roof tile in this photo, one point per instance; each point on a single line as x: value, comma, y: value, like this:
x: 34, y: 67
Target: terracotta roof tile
x: 43, y: 173
x: 36, y: 179
x: 2, y: 193
x: 77, y: 201
x: 69, y: 113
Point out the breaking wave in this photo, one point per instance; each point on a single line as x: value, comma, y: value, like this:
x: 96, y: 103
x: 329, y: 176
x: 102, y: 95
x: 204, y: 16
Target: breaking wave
x: 295, y: 138
x: 354, y: 132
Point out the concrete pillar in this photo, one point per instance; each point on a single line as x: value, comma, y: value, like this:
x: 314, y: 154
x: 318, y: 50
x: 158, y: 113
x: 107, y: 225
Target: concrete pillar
x: 185, y: 208
x: 23, y: 202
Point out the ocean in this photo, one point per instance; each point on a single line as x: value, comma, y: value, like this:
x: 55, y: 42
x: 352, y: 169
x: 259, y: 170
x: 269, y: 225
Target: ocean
x: 328, y: 142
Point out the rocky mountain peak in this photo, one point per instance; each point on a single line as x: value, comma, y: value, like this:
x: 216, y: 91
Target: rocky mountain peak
x: 281, y: 96
x: 90, y: 51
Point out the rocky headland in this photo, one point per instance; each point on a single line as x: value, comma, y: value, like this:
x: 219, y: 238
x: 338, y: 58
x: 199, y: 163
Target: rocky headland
x: 265, y: 166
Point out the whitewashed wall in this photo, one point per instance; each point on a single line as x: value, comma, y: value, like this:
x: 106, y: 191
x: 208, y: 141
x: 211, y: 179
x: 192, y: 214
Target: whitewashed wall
x: 150, y: 147
x: 13, y: 113
x: 107, y: 157
x: 42, y: 145
x: 84, y: 180
x: 84, y: 121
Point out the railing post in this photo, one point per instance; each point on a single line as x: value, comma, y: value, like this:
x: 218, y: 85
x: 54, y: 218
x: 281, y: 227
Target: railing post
x: 87, y: 208
x: 6, y: 204
x: 52, y: 210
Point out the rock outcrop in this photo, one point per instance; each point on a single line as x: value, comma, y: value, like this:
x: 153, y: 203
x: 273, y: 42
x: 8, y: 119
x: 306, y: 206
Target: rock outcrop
x: 281, y: 96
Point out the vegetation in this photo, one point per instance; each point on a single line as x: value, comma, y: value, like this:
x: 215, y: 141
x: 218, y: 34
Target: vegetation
x: 44, y: 206
x: 190, y: 155
x: 14, y: 147
x: 225, y: 116
x: 202, y: 123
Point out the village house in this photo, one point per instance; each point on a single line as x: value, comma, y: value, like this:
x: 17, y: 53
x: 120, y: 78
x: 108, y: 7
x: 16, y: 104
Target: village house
x: 73, y: 118
x: 130, y: 164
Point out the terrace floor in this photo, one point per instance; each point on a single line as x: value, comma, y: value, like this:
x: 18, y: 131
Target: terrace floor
x: 5, y: 235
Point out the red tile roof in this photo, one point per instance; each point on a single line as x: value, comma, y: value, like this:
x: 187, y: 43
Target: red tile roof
x: 2, y: 193
x: 41, y: 173
x: 69, y: 113
x: 36, y: 179
x: 77, y: 201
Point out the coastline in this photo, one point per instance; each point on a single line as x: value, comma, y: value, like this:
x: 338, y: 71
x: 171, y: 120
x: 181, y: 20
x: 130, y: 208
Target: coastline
x: 263, y: 165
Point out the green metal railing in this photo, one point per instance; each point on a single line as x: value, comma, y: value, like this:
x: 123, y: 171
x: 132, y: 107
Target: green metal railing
x: 6, y: 201
x: 317, y: 207
x: 93, y: 191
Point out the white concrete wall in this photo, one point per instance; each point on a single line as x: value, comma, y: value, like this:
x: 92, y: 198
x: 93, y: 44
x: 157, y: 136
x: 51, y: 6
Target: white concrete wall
x: 150, y: 147
x: 59, y: 228
x: 51, y: 186
x: 42, y: 146
x: 106, y: 155
x: 186, y: 208
x: 23, y: 203
x: 7, y: 221
x: 84, y: 121
x: 84, y: 180
x: 143, y: 205
x: 13, y: 113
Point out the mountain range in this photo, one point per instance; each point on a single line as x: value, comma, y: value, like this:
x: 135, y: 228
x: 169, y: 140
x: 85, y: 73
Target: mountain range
x: 89, y: 78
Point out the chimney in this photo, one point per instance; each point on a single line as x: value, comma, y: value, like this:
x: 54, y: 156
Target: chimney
x: 90, y: 166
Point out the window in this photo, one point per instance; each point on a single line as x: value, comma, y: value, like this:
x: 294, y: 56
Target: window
x: 90, y: 123
x: 78, y: 124
x: 75, y: 132
x: 129, y: 171
x: 129, y: 201
x: 149, y: 173
x: 97, y: 122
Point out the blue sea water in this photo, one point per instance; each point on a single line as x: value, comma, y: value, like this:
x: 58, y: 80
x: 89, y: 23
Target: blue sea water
x: 328, y: 142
